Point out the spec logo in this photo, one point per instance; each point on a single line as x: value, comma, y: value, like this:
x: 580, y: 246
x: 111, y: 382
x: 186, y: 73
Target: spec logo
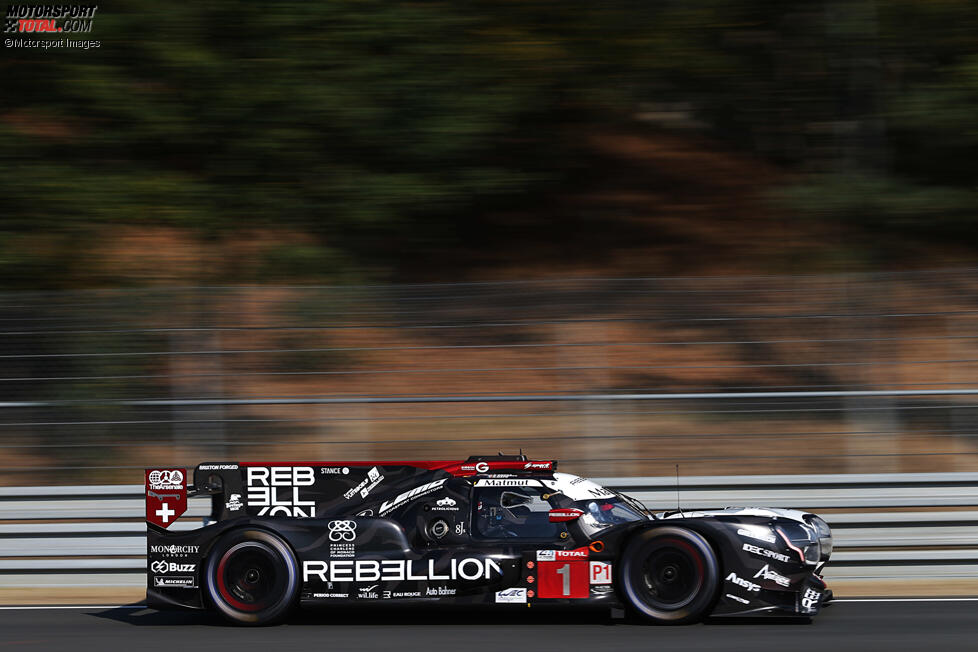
x: 162, y: 567
x: 537, y: 465
x: 342, y: 530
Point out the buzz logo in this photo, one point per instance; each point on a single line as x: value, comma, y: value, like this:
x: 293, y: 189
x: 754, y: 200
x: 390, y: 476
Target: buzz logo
x: 161, y: 567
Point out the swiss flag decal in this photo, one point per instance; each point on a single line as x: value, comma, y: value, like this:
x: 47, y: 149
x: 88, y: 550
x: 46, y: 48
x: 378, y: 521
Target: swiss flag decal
x: 166, y: 496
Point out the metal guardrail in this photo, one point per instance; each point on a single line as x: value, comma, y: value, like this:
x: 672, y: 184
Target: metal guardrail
x: 908, y: 525
x: 855, y: 373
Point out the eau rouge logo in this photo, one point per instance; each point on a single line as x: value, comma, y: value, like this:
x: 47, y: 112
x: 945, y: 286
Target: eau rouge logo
x: 51, y: 19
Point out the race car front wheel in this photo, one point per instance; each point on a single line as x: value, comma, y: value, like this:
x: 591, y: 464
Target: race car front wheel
x: 669, y: 575
x: 252, y: 577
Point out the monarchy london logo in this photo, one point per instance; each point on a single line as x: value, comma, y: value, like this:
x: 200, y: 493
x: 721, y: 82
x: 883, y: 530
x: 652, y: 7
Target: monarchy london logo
x: 342, y: 530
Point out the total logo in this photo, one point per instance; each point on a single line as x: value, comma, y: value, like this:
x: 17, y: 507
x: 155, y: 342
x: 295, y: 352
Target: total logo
x: 561, y: 555
x: 162, y: 567
x: 342, y: 530
x: 162, y: 480
x: 739, y: 581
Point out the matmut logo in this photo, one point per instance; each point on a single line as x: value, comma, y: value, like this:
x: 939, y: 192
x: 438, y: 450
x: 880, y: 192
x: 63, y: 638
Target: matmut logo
x: 52, y: 19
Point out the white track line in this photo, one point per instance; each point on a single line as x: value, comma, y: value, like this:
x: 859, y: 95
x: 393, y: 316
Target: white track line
x: 79, y: 606
x: 834, y: 600
x: 142, y: 606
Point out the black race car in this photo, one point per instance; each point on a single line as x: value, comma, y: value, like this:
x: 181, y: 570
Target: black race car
x: 500, y: 530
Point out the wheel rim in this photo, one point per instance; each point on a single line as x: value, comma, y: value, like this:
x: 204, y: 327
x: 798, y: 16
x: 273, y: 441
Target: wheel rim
x: 672, y: 575
x: 249, y: 577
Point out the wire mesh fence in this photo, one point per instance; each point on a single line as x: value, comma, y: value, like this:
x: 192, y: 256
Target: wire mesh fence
x: 619, y: 377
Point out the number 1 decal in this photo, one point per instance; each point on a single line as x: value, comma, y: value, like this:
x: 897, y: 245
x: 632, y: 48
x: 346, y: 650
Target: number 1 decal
x: 565, y: 572
x: 559, y: 579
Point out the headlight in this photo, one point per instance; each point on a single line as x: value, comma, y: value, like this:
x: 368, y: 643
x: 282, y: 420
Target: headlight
x: 824, y: 536
x: 803, y: 539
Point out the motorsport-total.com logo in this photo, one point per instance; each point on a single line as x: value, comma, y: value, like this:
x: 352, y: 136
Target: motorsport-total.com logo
x: 49, y: 19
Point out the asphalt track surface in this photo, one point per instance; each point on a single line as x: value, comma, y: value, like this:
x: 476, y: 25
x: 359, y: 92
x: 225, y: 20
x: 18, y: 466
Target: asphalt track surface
x: 891, y: 626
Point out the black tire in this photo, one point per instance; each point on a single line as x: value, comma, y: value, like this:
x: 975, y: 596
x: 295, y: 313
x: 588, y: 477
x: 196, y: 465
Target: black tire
x: 252, y: 577
x: 669, y: 576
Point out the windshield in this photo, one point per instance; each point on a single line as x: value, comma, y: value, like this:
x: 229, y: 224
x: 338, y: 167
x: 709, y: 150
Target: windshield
x: 605, y: 512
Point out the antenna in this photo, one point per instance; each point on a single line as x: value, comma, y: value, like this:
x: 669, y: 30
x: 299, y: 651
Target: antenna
x: 678, y: 508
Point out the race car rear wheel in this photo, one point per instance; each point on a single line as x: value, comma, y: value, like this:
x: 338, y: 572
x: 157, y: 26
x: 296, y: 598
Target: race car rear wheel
x: 669, y: 575
x: 252, y: 577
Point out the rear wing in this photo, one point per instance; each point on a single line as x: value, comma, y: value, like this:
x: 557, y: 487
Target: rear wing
x: 167, y: 491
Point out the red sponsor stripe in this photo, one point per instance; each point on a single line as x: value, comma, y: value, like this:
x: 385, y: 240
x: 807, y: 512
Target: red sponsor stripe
x: 426, y: 464
x: 455, y: 467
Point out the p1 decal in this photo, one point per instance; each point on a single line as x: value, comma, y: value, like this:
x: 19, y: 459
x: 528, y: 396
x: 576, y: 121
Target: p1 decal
x: 166, y: 496
x: 600, y: 572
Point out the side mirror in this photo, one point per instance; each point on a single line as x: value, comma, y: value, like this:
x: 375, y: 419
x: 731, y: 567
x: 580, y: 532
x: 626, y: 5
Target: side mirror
x: 565, y: 514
